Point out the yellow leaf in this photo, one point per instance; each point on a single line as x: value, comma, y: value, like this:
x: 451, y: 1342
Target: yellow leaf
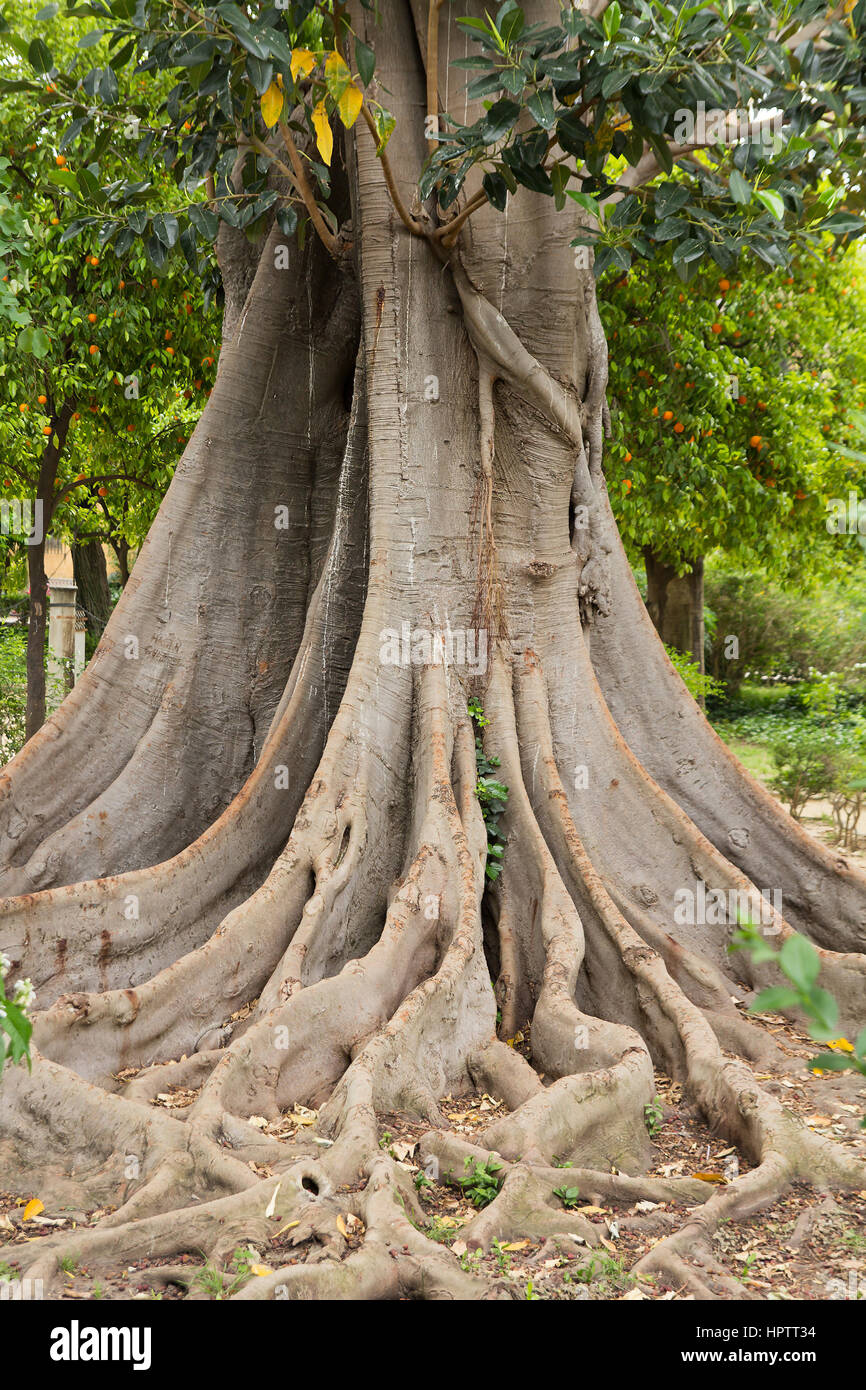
x: 303, y: 62
x: 324, y: 138
x: 841, y: 1045
x: 272, y: 105
x: 261, y: 1270
x: 711, y: 1177
x: 342, y: 1227
x: 349, y: 105
x: 336, y: 71
x: 33, y: 1208
x: 515, y: 1245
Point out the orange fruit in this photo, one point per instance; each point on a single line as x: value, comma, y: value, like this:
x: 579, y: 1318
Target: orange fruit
x: 93, y: 349
x: 94, y: 260
x: 655, y: 410
x: 678, y: 428
x: 130, y: 429
x: 628, y: 457
x: 168, y: 335
x: 716, y: 328
x: 154, y: 284
x: 43, y: 400
x: 23, y: 406
x: 91, y: 318
x: 627, y: 484
x: 55, y: 221
x: 60, y: 160
x: 103, y: 491
x: 170, y: 351
x: 47, y: 430
x: 724, y: 286
x: 668, y: 415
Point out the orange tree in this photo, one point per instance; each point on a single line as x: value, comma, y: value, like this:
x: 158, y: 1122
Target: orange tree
x: 727, y: 395
x: 105, y: 357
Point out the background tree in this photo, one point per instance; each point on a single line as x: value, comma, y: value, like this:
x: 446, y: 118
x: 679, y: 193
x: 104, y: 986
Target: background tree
x: 405, y: 434
x: 726, y: 399
x: 93, y: 370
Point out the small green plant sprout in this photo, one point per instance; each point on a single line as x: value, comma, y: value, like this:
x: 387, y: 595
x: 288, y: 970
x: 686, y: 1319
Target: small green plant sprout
x: 531, y: 1295
x: 244, y: 1260
x: 421, y: 1181
x: 492, y: 794
x: 568, y: 1196
x: 480, y: 1183
x: 800, y: 962
x: 15, y: 1026
x: 652, y: 1114
x: 470, y: 1260
x: 503, y: 1257
x: 442, y: 1229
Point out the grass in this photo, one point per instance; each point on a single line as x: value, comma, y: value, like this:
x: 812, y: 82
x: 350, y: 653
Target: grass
x: 755, y: 757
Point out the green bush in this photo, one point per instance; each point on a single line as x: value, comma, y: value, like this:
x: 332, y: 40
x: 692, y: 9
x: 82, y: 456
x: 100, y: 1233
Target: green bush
x: 13, y: 690
x: 807, y: 763
x: 785, y: 635
x: 699, y: 685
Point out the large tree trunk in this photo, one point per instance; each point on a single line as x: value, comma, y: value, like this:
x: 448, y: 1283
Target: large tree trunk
x: 675, y: 603
x: 91, y: 578
x: 300, y: 777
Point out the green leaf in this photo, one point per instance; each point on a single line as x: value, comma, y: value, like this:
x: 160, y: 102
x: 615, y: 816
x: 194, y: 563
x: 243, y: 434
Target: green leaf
x: 611, y: 20
x: 39, y: 56
x: 541, y: 108
x: 830, y: 1061
x: 496, y: 189
x: 34, y: 341
x: 823, y: 1009
x: 800, y: 962
x: 365, y: 59
x: 741, y: 192
x: 775, y: 999
x: 771, y: 201
x: 841, y: 224
x: 287, y: 220
x: 166, y: 228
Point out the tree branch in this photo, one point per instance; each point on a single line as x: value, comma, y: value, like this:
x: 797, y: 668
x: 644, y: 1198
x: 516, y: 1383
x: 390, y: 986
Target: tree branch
x: 405, y: 216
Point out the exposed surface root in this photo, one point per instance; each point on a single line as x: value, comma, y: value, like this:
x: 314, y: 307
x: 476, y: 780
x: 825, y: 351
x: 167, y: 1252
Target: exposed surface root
x: 323, y: 1030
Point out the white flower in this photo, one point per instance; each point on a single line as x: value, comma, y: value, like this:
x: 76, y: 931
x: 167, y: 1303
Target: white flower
x: 5, y: 963
x: 23, y: 995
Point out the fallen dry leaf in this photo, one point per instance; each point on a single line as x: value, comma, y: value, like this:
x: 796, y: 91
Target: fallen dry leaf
x: 33, y: 1208
x: 711, y: 1177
